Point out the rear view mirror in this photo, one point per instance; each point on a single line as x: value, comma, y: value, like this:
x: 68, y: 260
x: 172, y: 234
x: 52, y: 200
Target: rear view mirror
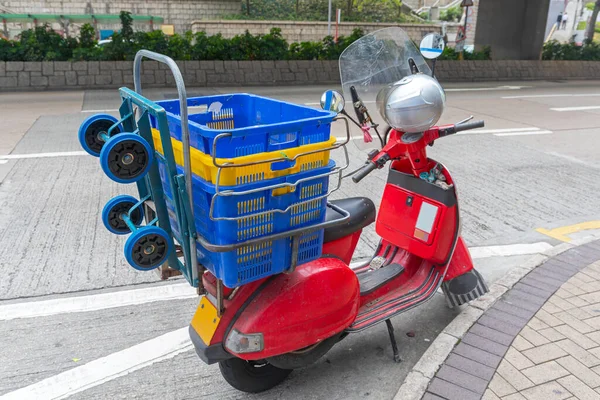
x: 432, y: 46
x: 333, y: 101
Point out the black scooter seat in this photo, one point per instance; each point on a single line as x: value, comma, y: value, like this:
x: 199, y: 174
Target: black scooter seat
x: 362, y: 213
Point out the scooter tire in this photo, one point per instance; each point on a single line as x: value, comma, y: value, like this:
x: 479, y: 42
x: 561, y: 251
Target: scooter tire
x: 252, y: 376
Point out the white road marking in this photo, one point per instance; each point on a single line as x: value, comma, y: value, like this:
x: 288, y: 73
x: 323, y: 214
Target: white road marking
x: 99, y: 111
x: 3, y: 161
x: 573, y: 159
x: 171, y: 344
x: 95, y: 302
x: 523, y: 133
x: 496, y: 132
x: 347, y: 101
x: 504, y: 130
x: 583, y: 108
x: 107, y: 368
x: 446, y: 90
x: 43, y: 155
x: 507, y: 132
x: 486, y: 89
x: 509, y: 250
x: 541, y: 96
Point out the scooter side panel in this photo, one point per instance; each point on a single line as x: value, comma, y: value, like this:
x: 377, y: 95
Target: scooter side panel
x: 343, y: 247
x: 316, y: 301
x: 418, y: 216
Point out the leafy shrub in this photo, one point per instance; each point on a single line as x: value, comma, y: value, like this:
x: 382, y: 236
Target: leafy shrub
x: 10, y: 50
x: 450, y: 54
x: 87, y: 48
x: 327, y: 49
x: 553, y: 50
x: 39, y: 44
x: 452, y: 14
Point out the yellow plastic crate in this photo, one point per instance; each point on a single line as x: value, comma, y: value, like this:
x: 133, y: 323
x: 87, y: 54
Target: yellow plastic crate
x: 202, y: 164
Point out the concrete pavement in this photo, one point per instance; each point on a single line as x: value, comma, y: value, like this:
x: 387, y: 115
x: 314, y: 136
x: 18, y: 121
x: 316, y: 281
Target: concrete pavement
x: 531, y: 167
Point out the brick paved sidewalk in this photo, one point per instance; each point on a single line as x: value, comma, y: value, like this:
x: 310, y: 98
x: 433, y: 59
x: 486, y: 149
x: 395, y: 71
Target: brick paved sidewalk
x: 540, y: 340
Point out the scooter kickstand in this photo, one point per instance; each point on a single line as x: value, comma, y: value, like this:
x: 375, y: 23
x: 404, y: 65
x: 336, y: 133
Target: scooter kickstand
x: 390, y: 329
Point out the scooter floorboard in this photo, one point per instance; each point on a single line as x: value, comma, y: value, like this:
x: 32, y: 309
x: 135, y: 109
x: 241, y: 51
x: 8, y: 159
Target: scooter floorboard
x: 420, y: 288
x: 373, y: 280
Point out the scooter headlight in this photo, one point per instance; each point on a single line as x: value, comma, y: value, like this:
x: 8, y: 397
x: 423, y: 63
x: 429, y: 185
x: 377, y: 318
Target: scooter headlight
x: 238, y: 342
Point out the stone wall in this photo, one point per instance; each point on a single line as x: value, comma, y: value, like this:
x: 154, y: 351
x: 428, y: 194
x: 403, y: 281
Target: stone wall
x: 114, y: 74
x: 515, y: 70
x: 303, y: 31
x: 180, y: 13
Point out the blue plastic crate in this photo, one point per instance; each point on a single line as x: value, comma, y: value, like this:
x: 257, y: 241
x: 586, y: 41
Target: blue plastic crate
x: 250, y: 263
x: 257, y: 124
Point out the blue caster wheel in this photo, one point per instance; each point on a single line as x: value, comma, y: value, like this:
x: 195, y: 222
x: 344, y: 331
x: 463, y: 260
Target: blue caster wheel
x: 91, y: 129
x: 147, y: 248
x: 117, y: 206
x: 126, y: 158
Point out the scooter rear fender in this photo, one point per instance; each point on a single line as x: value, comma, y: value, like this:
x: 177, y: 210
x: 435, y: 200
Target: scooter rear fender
x: 316, y: 301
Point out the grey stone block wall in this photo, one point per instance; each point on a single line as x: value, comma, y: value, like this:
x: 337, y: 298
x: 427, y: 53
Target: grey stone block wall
x: 113, y: 74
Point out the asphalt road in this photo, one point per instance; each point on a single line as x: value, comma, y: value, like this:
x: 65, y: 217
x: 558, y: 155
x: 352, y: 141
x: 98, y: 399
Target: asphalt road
x: 532, y: 167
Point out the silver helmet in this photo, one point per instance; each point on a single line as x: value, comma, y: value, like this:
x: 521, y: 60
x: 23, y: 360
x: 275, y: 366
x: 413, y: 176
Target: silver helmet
x: 413, y: 104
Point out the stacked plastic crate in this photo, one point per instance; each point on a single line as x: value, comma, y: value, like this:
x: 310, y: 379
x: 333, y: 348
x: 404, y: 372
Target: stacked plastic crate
x: 260, y: 167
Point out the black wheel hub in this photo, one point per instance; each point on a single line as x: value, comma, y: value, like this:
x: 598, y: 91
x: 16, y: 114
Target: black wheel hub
x: 115, y: 219
x: 92, y: 135
x: 127, y: 159
x: 150, y: 250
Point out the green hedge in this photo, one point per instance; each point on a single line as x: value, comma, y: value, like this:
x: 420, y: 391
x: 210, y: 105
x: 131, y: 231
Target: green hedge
x: 450, y: 54
x: 553, y: 50
x: 43, y: 44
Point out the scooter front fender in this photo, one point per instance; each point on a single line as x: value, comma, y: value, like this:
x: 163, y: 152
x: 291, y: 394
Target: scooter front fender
x: 316, y: 301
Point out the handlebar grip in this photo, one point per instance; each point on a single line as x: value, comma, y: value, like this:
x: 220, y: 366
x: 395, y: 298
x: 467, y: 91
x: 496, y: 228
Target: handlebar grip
x: 469, y: 125
x: 364, y: 171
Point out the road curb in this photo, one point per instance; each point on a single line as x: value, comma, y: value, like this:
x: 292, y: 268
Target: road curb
x: 416, y: 382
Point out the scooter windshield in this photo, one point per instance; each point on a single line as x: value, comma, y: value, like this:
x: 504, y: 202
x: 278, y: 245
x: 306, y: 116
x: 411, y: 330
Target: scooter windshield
x: 378, y: 59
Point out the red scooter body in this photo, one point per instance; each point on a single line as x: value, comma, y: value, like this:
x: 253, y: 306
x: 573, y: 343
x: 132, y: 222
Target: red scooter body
x: 420, y: 251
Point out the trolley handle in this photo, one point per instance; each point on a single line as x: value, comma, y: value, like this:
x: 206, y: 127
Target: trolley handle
x: 185, y: 130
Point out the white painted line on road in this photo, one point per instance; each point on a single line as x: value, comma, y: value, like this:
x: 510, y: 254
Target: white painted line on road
x: 509, y: 250
x: 497, y: 132
x: 347, y: 101
x: 3, y: 161
x: 504, y: 130
x: 507, y: 132
x: 169, y: 345
x: 583, y: 108
x: 485, y: 88
x: 43, y: 155
x: 95, y: 302
x: 107, y: 368
x: 541, y: 96
x: 99, y: 111
x: 523, y: 133
x: 573, y: 159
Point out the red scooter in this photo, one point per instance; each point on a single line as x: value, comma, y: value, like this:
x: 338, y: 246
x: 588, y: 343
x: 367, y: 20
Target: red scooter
x: 265, y: 329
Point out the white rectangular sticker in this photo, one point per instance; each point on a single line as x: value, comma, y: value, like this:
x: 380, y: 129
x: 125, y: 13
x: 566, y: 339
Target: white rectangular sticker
x: 427, y: 216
